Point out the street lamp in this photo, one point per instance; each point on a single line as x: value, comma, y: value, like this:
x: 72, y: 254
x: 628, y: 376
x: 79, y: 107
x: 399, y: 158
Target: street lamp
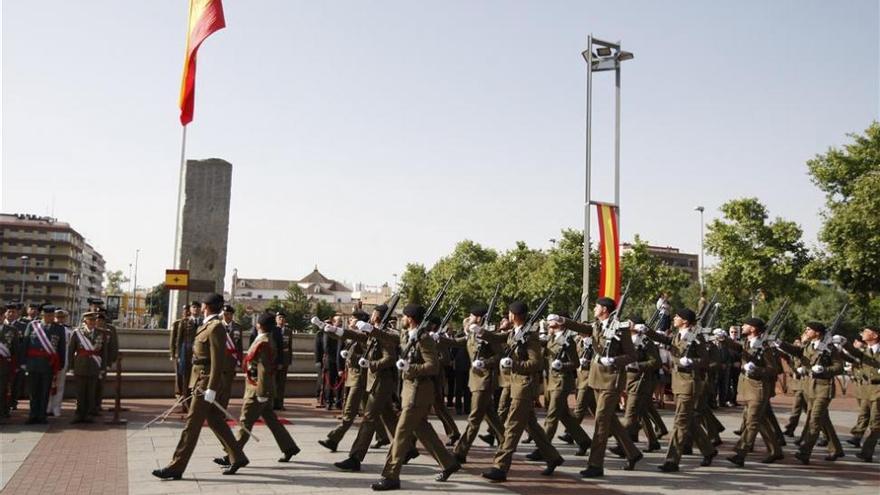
x: 608, y: 56
x: 24, y: 263
x: 135, y: 284
x: 702, y: 249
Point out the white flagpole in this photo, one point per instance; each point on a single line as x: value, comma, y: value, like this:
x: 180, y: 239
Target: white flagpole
x: 173, y: 295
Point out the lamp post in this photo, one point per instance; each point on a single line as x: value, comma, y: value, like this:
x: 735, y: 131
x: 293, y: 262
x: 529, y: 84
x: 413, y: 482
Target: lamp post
x: 607, y: 56
x: 702, y: 249
x: 24, y: 263
x: 134, y: 285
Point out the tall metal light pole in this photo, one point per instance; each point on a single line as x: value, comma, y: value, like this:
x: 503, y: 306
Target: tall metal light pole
x: 702, y: 249
x: 24, y: 263
x: 135, y: 285
x: 608, y: 56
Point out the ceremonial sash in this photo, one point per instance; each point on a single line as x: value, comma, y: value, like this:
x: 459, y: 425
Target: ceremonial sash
x: 253, y: 350
x: 4, y: 351
x: 48, y: 352
x: 230, y: 348
x: 89, y: 348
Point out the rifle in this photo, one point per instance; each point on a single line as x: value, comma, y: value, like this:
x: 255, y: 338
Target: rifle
x: 411, y: 345
x: 528, y: 327
x: 392, y: 303
x: 829, y: 334
x: 568, y: 340
x: 448, y: 314
x: 654, y: 320
x: 614, y: 326
x: 771, y: 333
x: 486, y: 319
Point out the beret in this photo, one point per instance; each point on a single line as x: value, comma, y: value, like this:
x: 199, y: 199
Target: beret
x: 479, y: 310
x: 607, y: 302
x: 687, y: 315
x: 518, y: 308
x: 414, y: 311
x: 755, y: 322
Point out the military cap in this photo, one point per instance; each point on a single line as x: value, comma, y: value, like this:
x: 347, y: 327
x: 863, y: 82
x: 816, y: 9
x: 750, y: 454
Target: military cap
x: 61, y: 311
x: 518, y: 308
x: 11, y: 306
x: 227, y: 308
x: 607, y: 303
x: 280, y: 313
x: 564, y: 314
x: 361, y: 316
x: 755, y: 322
x: 47, y: 308
x: 90, y: 315
x: 687, y: 314
x: 414, y: 311
x: 479, y: 310
x: 816, y: 326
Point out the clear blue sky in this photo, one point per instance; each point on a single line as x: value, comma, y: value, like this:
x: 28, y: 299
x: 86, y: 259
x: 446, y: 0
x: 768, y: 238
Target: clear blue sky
x: 364, y: 135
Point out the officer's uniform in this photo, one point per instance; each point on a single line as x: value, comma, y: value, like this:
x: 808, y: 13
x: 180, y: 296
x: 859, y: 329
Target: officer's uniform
x: 9, y: 344
x: 869, y: 358
x: 43, y: 359
x: 285, y: 357
x: 183, y: 333
x: 88, y: 355
x: 355, y: 383
x: 796, y: 387
x: 640, y: 381
x: 559, y: 385
x: 232, y: 347
x: 112, y: 344
x: 756, y: 388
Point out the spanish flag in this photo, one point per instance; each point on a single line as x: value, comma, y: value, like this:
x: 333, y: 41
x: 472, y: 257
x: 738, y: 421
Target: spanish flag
x: 609, y: 252
x: 205, y: 17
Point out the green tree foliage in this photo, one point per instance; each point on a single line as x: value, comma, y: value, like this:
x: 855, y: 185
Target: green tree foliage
x: 295, y: 305
x: 850, y: 179
x: 647, y: 277
x: 241, y: 316
x: 323, y: 310
x: 414, y: 284
x: 157, y: 303
x: 759, y: 261
x: 113, y: 281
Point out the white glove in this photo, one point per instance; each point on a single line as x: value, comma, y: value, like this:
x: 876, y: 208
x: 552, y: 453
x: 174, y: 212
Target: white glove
x: 756, y: 344
x: 363, y: 326
x: 317, y: 322
x: 476, y: 329
x: 817, y: 368
x: 685, y: 362
x: 506, y: 362
x: 344, y: 353
x: 402, y: 364
x: 363, y: 363
x: 210, y: 396
x: 838, y: 340
x: 554, y: 318
x: 262, y: 400
x: 435, y: 336
x: 749, y: 367
x: 584, y: 361
x: 478, y: 364
x: 820, y: 346
x: 801, y: 370
x: 641, y: 328
x: 543, y: 337
x: 556, y: 364
x: 606, y: 361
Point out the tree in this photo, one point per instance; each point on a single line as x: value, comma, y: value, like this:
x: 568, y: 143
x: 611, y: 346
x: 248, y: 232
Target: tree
x: 157, y: 302
x: 563, y: 269
x: 462, y: 265
x: 850, y: 179
x: 113, y: 281
x: 758, y: 261
x: 323, y: 310
x: 647, y: 277
x: 414, y: 283
x: 242, y: 317
x: 295, y: 306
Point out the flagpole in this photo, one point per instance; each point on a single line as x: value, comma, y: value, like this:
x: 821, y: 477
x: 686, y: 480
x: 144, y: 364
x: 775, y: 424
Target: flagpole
x: 174, y: 294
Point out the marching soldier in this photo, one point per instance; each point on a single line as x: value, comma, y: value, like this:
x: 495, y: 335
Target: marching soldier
x: 88, y: 353
x: 585, y: 399
x: 613, y: 351
x: 484, y: 347
x: 355, y: 380
x: 861, y: 391
x: 232, y: 352
x: 760, y: 367
x: 690, y: 356
x: 524, y: 365
x: 183, y: 333
x: 561, y: 353
x: 44, y: 349
x: 869, y: 360
x: 796, y: 387
x: 820, y: 365
x: 285, y: 356
x: 259, y: 369
x: 419, y: 367
x: 443, y: 357
x: 9, y: 349
x: 640, y: 378
x: 208, y: 347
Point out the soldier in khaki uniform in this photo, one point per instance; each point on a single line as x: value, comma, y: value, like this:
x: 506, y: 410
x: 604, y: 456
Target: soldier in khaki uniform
x: 640, y: 379
x: 9, y: 350
x: 796, y: 387
x: 443, y: 357
x: 355, y: 380
x: 869, y: 360
x: 689, y: 356
x: 87, y: 354
x: 112, y: 350
x: 524, y: 363
x: 613, y: 351
x: 484, y: 348
x: 419, y: 366
x: 183, y: 332
x: 378, y: 361
x: 561, y: 353
x: 861, y: 391
x: 585, y: 399
x: 259, y: 369
x: 757, y: 382
x: 820, y: 365
x: 232, y: 352
x: 209, y: 349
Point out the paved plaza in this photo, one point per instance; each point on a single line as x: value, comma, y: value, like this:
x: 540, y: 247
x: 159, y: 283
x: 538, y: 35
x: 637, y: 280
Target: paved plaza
x: 103, y: 459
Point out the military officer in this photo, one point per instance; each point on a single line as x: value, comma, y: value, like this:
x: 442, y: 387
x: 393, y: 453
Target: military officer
x: 285, y: 356
x: 419, y: 366
x: 640, y: 378
x: 869, y: 360
x: 525, y: 364
x: 795, y: 386
x: 607, y: 377
x: 259, y: 369
x: 9, y: 350
x: 232, y: 351
x: 44, y: 349
x: 97, y: 305
x: 19, y: 381
x: 443, y: 342
x: 861, y: 392
x: 209, y: 349
x: 87, y: 353
x: 183, y: 332
x: 760, y: 366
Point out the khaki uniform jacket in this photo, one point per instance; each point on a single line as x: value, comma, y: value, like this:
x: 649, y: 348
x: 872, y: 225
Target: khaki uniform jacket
x: 685, y: 381
x: 566, y: 351
x: 488, y: 347
x: 620, y: 348
x: 525, y: 374
x: 418, y: 379
x: 380, y: 349
x: 821, y: 385
x: 182, y: 331
x: 82, y: 363
x: 648, y: 362
x: 209, y: 351
x: 869, y: 362
x: 261, y: 369
x: 585, y: 351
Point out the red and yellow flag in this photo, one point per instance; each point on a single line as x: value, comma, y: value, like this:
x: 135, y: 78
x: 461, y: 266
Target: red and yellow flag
x: 609, y: 252
x: 205, y: 17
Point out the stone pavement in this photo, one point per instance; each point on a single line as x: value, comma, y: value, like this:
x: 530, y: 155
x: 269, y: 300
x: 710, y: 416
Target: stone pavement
x: 104, y: 459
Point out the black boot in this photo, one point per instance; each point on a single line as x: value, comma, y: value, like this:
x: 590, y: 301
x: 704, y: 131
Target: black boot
x: 707, y: 460
x: 592, y: 472
x: 446, y: 473
x: 618, y: 451
x: 801, y: 456
x: 668, y: 467
x: 551, y: 466
x: 412, y: 454
x: 738, y: 459
x: 631, y: 463
x: 566, y: 437
x: 495, y: 474
x: 235, y: 466
x: 855, y: 442
x: 454, y: 438
x: 350, y: 464
x: 287, y: 455
x: 488, y: 438
x: 379, y: 444
x: 328, y: 444
x: 535, y: 456
x: 167, y: 474
x: 385, y: 484
x: 222, y: 461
